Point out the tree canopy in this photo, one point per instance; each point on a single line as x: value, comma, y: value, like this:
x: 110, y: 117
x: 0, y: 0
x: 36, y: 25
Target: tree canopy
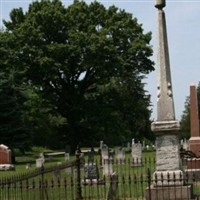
x: 83, y: 66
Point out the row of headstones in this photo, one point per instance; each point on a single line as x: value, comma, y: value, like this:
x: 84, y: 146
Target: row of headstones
x: 136, y: 152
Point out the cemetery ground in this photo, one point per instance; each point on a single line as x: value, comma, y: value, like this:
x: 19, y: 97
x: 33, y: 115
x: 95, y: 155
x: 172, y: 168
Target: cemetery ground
x: 58, y: 179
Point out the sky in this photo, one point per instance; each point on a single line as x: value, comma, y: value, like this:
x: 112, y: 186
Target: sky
x: 183, y: 30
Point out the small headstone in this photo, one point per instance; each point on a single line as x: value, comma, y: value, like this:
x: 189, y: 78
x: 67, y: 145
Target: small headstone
x: 106, y: 161
x: 28, y: 165
x: 67, y: 153
x: 39, y: 163
x: 107, y: 167
x: 128, y: 145
x: 5, y: 158
x: 42, y: 157
x: 120, y: 156
x: 5, y: 155
x: 91, y: 173
x: 185, y: 145
x: 66, y: 156
x: 136, y: 154
x: 91, y: 154
x: 101, y: 144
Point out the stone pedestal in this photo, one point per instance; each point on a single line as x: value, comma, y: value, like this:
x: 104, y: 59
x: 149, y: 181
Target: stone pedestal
x: 7, y: 167
x: 193, y: 163
x: 167, y: 146
x: 169, y: 193
x: 194, y: 145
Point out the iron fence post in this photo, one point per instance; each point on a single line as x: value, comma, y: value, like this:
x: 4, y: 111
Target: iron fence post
x: 78, y: 165
x: 149, y: 183
x: 42, y: 182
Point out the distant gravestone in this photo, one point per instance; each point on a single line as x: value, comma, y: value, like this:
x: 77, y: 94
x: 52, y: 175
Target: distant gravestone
x: 39, y: 163
x: 106, y: 161
x: 101, y: 144
x: 128, y: 146
x: 91, y: 154
x: 185, y: 144
x: 91, y: 173
x: 67, y: 153
x: 5, y: 158
x: 136, y: 154
x: 120, y: 156
x: 5, y: 155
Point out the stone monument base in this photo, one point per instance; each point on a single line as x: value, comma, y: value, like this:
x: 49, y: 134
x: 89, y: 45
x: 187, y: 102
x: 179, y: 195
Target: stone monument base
x: 7, y: 167
x: 194, y: 143
x: 168, y: 178
x: 169, y: 193
x: 89, y: 181
x: 193, y: 163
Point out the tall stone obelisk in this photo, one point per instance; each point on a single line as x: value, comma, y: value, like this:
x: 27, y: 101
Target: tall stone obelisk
x: 166, y: 127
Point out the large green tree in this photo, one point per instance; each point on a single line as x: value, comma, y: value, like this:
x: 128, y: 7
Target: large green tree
x: 87, y: 63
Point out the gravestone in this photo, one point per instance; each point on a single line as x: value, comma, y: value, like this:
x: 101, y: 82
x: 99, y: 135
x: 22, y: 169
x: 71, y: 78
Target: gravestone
x: 106, y: 161
x: 128, y: 146
x: 101, y: 144
x: 91, y: 155
x: 39, y: 163
x: 91, y: 173
x: 120, y: 155
x: 5, y: 158
x: 136, y: 154
x: 185, y: 145
x: 67, y: 153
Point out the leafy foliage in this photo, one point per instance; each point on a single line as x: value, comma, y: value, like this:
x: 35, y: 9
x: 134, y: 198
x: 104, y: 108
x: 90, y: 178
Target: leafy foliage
x: 85, y: 65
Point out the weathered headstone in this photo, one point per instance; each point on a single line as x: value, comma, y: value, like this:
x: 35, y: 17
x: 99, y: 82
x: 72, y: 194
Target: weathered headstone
x: 67, y: 153
x: 185, y: 145
x: 136, y: 154
x: 5, y: 155
x: 28, y: 165
x: 101, y: 144
x: 91, y: 173
x: 106, y: 161
x: 39, y: 162
x: 91, y: 155
x: 120, y: 155
x: 128, y: 146
x: 5, y: 158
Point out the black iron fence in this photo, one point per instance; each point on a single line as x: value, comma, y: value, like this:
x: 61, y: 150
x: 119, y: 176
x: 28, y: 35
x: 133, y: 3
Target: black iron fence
x: 122, y: 180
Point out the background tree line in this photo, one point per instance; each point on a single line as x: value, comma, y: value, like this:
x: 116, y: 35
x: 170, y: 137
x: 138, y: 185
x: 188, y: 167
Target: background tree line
x: 73, y: 74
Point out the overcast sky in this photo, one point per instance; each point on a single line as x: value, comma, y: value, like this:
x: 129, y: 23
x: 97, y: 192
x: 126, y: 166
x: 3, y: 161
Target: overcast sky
x: 183, y: 29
